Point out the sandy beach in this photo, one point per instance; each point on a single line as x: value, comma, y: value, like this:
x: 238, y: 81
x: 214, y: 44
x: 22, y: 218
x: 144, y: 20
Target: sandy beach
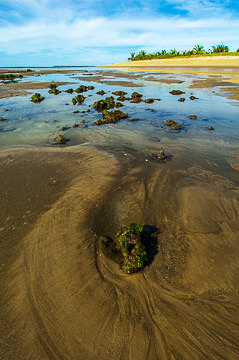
x: 195, y: 61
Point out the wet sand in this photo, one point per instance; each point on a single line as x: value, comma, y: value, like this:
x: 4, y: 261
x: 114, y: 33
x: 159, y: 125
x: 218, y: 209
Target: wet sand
x: 63, y: 298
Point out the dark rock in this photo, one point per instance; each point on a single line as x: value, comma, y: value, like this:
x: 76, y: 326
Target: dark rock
x: 209, y: 127
x: 69, y: 91
x: 75, y: 125
x: 81, y: 89
x: 149, y: 101
x: 53, y: 90
x: 90, y: 87
x: 3, y: 119
x: 193, y: 98
x: 133, y: 119
x: 182, y: 99
x: 192, y: 117
x: 60, y: 140
x: 101, y: 92
x: 76, y: 112
x: 176, y: 92
x: 118, y: 104
x: 119, y: 93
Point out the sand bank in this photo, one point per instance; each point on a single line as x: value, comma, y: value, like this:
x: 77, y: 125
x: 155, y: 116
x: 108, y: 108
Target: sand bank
x: 63, y: 298
x: 200, y: 61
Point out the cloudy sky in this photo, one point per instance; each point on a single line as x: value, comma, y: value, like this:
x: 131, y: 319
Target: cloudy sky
x: 97, y: 32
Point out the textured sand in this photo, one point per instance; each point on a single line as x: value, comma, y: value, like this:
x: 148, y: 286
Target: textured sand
x: 63, y: 298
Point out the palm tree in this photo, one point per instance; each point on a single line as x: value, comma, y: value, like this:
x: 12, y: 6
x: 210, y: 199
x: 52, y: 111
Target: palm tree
x: 132, y: 56
x: 199, y: 49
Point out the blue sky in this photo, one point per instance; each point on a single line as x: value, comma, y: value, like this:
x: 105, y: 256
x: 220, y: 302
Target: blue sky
x: 96, y: 32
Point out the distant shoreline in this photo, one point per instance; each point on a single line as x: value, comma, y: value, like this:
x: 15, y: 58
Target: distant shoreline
x: 229, y: 61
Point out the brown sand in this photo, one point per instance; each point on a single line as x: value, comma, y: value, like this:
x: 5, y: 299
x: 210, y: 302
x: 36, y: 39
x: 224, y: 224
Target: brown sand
x: 63, y: 298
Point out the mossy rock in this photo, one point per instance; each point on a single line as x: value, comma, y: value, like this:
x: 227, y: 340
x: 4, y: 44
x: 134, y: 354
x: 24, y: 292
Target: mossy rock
x: 111, y: 101
x: 60, y: 139
x: 111, y: 117
x: 118, y: 104
x: 80, y: 99
x: 101, y: 105
x: 119, y: 93
x: 192, y: 117
x: 81, y: 89
x: 69, y: 91
x: 136, y: 95
x: 149, y: 101
x: 182, y: 99
x: 37, y: 98
x: 101, y: 92
x: 173, y: 125
x: 129, y: 241
x: 53, y: 90
x: 91, y: 87
x: 10, y: 77
x: 177, y: 92
x: 74, y: 102
x: 99, y: 122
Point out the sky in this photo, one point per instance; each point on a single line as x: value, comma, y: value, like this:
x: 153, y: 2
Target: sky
x: 98, y: 32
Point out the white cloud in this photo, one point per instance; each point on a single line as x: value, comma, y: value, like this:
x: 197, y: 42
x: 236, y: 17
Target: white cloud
x: 57, y: 31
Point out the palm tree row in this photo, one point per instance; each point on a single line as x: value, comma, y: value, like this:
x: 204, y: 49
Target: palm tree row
x: 197, y: 50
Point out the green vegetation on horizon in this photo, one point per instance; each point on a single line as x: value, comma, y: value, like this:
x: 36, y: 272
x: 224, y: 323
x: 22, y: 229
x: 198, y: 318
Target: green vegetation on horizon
x: 197, y: 50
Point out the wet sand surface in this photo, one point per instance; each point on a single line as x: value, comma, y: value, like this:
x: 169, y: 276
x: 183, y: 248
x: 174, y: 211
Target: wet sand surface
x: 62, y: 297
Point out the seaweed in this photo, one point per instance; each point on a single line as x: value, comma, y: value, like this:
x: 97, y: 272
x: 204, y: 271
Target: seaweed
x: 129, y: 241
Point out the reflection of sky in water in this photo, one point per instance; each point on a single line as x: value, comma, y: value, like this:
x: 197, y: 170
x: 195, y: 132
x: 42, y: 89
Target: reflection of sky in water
x: 31, y: 124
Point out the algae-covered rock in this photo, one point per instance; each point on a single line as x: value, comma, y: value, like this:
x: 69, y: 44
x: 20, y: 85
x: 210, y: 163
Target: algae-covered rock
x: 173, y: 125
x: 81, y: 89
x: 129, y: 241
x: 37, y: 98
x: 133, y: 119
x: 118, y: 104
x: 80, y: 99
x: 113, y: 116
x: 90, y: 87
x: 74, y: 102
x: 105, y: 104
x: 136, y: 98
x: 182, y: 99
x: 54, y: 90
x: 60, y: 139
x: 193, y: 97
x: 176, y: 92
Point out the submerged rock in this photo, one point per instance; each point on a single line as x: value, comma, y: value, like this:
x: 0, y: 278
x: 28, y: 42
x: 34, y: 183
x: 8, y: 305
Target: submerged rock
x: 209, y: 127
x: 3, y: 119
x: 69, y: 91
x: 173, y: 125
x: 176, y: 92
x: 133, y: 119
x: 75, y: 125
x: 149, y: 101
x: 119, y: 93
x: 81, y: 89
x: 101, y: 92
x: 192, y: 117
